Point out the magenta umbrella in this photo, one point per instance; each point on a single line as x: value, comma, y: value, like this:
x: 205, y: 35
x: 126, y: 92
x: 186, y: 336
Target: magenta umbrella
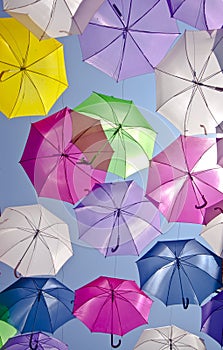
x: 185, y: 179
x: 112, y: 305
x: 56, y: 166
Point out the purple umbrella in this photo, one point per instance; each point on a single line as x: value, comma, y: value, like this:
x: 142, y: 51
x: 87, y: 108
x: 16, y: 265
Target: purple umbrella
x: 201, y: 14
x: 34, y: 341
x: 132, y: 37
x: 117, y: 219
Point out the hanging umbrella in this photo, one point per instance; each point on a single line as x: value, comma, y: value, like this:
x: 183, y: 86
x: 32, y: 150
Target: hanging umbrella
x: 179, y: 272
x: 117, y: 219
x: 201, y: 14
x: 56, y: 167
x: 132, y: 37
x: 34, y: 341
x: 169, y: 338
x: 189, y: 82
x: 33, y: 240
x: 38, y: 304
x: 52, y: 18
x: 32, y: 73
x: 112, y: 305
x: 212, y: 318
x: 128, y: 132
x: 184, y: 179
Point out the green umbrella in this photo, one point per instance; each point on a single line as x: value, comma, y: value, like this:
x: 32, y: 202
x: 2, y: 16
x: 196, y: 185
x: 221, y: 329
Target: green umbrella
x: 127, y: 131
x: 6, y: 331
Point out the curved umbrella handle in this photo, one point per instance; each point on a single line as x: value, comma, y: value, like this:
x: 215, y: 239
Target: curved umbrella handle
x: 117, y: 245
x: 202, y: 205
x: 30, y: 343
x: 16, y: 273
x: 185, y: 302
x: 112, y: 342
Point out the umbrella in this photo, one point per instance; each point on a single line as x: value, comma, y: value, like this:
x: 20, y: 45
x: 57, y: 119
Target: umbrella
x: 189, y: 82
x: 112, y: 305
x: 201, y: 14
x: 34, y: 341
x: 32, y: 73
x: 6, y: 331
x: 56, y: 167
x: 184, y: 179
x: 179, y: 272
x: 169, y: 337
x: 128, y: 132
x: 116, y: 218
x: 33, y: 240
x: 38, y: 304
x: 52, y: 18
x: 132, y: 38
x: 212, y: 318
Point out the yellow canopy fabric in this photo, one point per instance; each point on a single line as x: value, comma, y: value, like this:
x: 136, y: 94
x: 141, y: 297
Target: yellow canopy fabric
x: 32, y: 72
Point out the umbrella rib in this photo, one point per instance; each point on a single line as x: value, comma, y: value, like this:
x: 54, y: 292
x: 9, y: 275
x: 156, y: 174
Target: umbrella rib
x: 33, y: 226
x: 10, y: 48
x: 140, y: 218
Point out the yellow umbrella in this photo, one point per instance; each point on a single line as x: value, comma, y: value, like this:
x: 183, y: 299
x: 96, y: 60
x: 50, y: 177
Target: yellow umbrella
x: 32, y: 72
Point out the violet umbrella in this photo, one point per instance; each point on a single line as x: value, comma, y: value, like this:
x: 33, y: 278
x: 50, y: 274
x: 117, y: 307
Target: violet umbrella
x: 201, y: 14
x: 55, y: 165
x: 184, y: 179
x: 34, y: 341
x: 112, y: 305
x: 132, y: 37
x: 117, y: 219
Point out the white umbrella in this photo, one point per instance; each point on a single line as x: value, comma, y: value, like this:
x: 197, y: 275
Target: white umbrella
x: 52, y: 18
x: 169, y: 338
x: 33, y: 240
x: 189, y: 82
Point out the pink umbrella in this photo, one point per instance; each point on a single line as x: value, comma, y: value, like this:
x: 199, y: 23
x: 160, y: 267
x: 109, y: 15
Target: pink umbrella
x: 112, y: 305
x: 56, y: 166
x: 185, y: 179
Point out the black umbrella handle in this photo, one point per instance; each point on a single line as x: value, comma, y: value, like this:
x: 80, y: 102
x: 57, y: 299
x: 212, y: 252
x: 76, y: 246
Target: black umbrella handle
x: 185, y: 302
x: 30, y: 343
x: 202, y: 205
x: 112, y: 342
x: 16, y: 273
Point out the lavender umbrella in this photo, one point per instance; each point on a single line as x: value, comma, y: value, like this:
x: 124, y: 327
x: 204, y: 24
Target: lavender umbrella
x: 132, y: 37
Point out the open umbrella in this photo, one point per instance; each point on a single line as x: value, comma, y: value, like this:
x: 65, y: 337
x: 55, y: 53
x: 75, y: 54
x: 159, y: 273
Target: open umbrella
x: 33, y: 240
x: 184, y: 179
x: 112, y: 305
x: 132, y: 37
x: 55, y: 165
x: 34, y: 341
x: 52, y: 18
x: 169, y: 338
x: 117, y: 219
x: 212, y: 318
x: 38, y: 304
x: 127, y: 131
x: 201, y: 14
x: 179, y: 272
x: 32, y: 73
x: 189, y: 82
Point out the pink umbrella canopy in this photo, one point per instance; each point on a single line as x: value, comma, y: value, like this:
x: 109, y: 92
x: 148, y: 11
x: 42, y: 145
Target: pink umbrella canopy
x: 56, y: 166
x: 112, y: 305
x: 185, y: 179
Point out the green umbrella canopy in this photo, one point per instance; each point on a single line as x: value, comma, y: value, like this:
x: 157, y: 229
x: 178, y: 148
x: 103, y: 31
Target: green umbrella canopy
x: 127, y: 131
x: 6, y: 331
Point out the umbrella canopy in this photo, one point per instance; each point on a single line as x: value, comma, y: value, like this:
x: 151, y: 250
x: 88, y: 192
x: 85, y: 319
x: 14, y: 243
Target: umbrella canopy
x: 105, y: 305
x: 34, y: 341
x: 132, y: 37
x: 117, y: 219
x: 128, y: 132
x: 189, y: 82
x: 38, y: 304
x: 179, y: 272
x: 169, y: 338
x: 212, y: 318
x: 184, y: 179
x: 32, y: 73
x: 33, y: 240
x: 52, y: 18
x: 56, y: 167
x: 201, y: 14
x: 6, y: 331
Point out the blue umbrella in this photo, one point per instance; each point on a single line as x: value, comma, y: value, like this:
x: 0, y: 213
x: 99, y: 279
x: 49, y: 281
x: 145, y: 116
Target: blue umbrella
x: 179, y: 271
x: 37, y: 304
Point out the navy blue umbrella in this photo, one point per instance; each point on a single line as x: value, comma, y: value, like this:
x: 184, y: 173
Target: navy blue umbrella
x: 38, y: 304
x: 180, y: 272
